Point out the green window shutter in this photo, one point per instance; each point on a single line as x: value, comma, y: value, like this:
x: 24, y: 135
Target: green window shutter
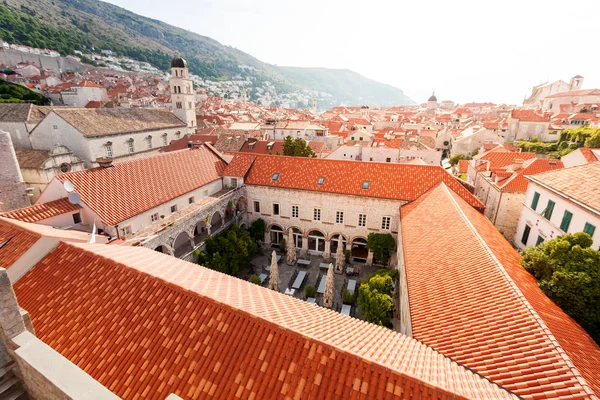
x: 589, y: 229
x: 534, y: 202
x: 566, y: 221
x: 539, y: 241
x: 525, y: 236
x: 548, y: 211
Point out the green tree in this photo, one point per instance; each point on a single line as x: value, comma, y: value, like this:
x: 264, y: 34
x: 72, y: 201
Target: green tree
x: 568, y: 271
x: 382, y: 245
x: 310, y: 291
x: 474, y: 152
x: 257, y: 230
x: 297, y: 147
x: 594, y: 140
x: 229, y: 252
x: 455, y: 158
x: 375, y: 300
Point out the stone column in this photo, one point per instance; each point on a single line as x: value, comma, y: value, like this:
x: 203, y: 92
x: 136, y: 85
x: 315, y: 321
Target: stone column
x: 327, y: 252
x: 304, y: 250
x: 369, y: 258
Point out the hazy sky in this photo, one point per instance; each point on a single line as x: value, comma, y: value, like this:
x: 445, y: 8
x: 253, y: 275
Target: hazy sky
x: 485, y: 50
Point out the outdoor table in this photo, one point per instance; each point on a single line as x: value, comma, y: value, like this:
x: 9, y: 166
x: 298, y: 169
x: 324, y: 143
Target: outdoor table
x: 290, y: 292
x: 268, y: 268
x: 312, y: 300
x: 350, y: 270
x: 321, y: 288
x: 262, y: 278
x: 324, y: 265
x: 303, y: 262
x: 299, y: 280
x: 352, y: 285
x: 345, y: 310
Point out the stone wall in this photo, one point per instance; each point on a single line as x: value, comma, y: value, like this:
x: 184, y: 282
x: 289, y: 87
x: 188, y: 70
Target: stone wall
x: 12, y: 187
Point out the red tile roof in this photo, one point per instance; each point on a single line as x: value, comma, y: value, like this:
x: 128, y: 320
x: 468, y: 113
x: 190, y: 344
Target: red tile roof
x: 582, y: 92
x: 182, y: 143
x: 463, y: 166
x: 529, y: 115
x: 14, y: 242
x: 498, y: 159
x: 39, y: 212
x: 516, y: 182
x: 386, y: 180
x: 475, y: 303
x: 588, y: 154
x: 146, y: 325
x: 239, y: 165
x: 261, y: 147
x: 129, y: 188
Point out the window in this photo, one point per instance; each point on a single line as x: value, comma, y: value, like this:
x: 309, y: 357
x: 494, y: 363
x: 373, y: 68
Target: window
x: 388, y: 159
x: 525, y: 236
x: 317, y: 214
x: 109, y: 152
x: 191, y: 200
x: 126, y: 230
x: 589, y: 229
x: 294, y: 211
x: 154, y: 217
x: 55, y: 126
x: 362, y: 219
x: 256, y: 207
x: 366, y: 185
x: 178, y: 105
x: 547, y: 213
x: 164, y: 137
x: 233, y: 182
x: 77, y: 218
x: 320, y: 181
x: 339, y: 217
x: 189, y: 105
x: 539, y: 240
x: 385, y: 223
x: 275, y: 176
x: 534, y: 202
x: 566, y: 221
x: 178, y: 135
x: 275, y: 209
x: 149, y: 142
x: 130, y: 146
x: 173, y: 208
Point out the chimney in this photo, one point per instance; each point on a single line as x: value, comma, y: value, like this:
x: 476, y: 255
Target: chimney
x: 190, y: 145
x: 104, y: 162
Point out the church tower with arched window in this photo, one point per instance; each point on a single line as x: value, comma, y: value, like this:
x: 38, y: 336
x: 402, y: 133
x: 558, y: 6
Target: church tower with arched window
x: 183, y: 98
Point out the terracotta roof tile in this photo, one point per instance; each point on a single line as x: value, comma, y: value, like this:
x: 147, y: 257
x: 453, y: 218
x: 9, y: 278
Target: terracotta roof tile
x: 29, y: 158
x: 129, y: 188
x: 14, y: 242
x: 146, y: 325
x: 239, y: 165
x: 498, y: 159
x: 39, y: 212
x: 386, y: 180
x: 463, y: 166
x: 517, y: 181
x: 589, y: 154
x: 475, y: 303
x: 579, y: 183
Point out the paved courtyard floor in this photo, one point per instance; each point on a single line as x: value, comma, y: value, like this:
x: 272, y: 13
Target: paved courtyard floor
x: 314, y: 272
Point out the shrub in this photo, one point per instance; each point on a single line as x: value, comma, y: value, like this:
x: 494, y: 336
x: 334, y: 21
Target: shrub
x: 347, y: 297
x: 257, y: 230
x: 310, y: 291
x: 255, y: 279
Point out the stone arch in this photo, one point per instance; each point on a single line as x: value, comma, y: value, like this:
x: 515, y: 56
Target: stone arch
x: 182, y: 244
x: 216, y: 221
x: 229, y: 212
x: 165, y: 249
x: 241, y: 204
x: 276, y: 234
x: 334, y: 242
x: 200, y: 231
x: 359, y: 249
x: 316, y: 240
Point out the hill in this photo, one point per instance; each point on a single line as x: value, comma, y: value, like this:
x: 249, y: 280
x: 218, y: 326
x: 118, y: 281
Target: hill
x: 69, y: 25
x: 11, y: 93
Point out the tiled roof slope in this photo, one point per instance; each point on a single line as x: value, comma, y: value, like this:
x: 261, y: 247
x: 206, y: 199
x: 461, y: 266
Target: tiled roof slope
x: 14, y: 242
x: 182, y: 143
x: 589, y: 154
x: 499, y: 159
x: 579, y: 183
x: 110, y: 121
x: 239, y: 165
x: 386, y: 180
x: 39, y: 212
x: 474, y: 303
x: 130, y: 187
x: 518, y: 182
x: 145, y: 325
x: 30, y: 158
x: 463, y: 166
x: 23, y: 112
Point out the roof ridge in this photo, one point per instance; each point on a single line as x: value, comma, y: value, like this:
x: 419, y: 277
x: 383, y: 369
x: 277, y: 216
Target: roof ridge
x: 248, y: 313
x: 561, y: 352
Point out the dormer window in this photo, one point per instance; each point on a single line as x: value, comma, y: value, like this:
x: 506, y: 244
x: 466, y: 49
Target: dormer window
x: 275, y: 177
x: 365, y: 185
x: 320, y: 181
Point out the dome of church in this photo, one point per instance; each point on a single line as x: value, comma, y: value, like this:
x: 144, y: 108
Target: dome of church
x: 432, y: 98
x: 178, y: 62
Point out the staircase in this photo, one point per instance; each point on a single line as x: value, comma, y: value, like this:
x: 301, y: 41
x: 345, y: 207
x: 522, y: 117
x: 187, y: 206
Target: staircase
x: 10, y: 386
